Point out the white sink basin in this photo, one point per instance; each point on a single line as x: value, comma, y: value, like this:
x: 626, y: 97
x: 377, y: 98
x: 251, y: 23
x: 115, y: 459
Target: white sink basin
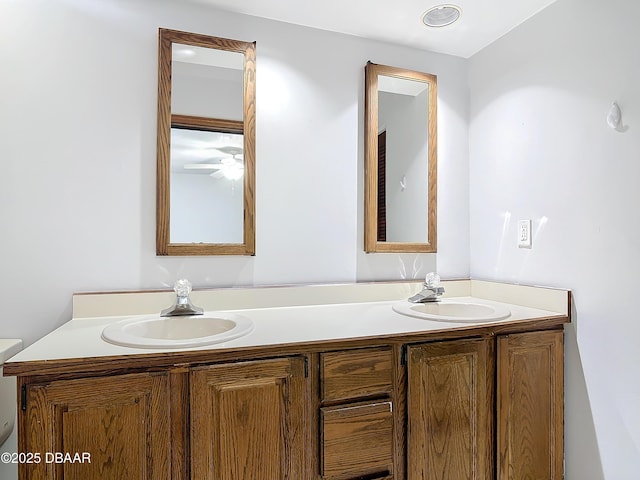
x: 177, y: 332
x: 453, y: 311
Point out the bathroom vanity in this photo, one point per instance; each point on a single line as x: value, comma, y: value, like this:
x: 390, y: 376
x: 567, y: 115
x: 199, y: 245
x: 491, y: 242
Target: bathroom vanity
x: 331, y: 384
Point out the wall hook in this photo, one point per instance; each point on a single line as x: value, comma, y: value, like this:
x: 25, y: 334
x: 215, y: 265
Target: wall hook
x: 614, y: 118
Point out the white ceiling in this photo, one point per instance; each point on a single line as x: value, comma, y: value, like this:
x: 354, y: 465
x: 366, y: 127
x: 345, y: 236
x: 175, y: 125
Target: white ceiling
x: 397, y: 21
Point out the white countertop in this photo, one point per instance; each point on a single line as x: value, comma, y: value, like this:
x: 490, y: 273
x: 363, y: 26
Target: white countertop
x: 81, y: 337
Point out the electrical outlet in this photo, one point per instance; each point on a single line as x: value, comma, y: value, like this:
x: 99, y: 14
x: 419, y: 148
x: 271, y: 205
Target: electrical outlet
x: 524, y: 233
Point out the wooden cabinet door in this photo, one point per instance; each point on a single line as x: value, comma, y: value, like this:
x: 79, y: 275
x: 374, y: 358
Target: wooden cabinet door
x: 530, y: 406
x: 450, y: 410
x: 120, y: 422
x: 248, y: 420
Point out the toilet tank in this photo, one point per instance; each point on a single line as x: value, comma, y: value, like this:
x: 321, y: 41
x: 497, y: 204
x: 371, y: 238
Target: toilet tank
x: 8, y: 399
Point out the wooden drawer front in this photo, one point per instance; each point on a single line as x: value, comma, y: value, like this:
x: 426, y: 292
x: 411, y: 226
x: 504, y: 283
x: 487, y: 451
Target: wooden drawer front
x: 357, y: 373
x: 357, y: 441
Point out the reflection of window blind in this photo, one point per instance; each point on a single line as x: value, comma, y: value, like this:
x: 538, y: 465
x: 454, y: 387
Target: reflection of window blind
x: 382, y: 182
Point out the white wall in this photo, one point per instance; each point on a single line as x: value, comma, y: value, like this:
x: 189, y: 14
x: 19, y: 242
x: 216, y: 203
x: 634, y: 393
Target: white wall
x: 77, y: 153
x: 540, y: 148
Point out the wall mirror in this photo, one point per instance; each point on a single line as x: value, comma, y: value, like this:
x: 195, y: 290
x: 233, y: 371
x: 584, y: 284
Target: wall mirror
x: 206, y: 145
x: 400, y: 160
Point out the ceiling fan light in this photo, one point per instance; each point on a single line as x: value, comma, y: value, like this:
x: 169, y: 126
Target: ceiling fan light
x: 441, y: 15
x: 233, y: 172
x: 200, y: 166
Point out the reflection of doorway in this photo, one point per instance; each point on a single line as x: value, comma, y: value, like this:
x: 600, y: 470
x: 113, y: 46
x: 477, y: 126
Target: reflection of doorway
x: 382, y: 182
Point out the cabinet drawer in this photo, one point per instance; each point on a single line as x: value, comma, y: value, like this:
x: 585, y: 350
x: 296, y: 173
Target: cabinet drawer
x: 357, y: 440
x: 356, y: 373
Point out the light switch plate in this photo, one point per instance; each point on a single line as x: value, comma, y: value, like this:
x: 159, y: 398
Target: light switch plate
x: 524, y: 233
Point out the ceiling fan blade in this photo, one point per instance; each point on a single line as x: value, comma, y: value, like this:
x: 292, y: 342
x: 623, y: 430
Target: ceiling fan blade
x: 231, y: 149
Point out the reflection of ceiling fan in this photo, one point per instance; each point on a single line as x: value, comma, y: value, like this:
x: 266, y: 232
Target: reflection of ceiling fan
x: 230, y: 165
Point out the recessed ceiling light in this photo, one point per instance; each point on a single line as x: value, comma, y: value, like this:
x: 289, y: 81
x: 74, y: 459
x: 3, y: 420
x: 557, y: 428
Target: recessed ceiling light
x: 441, y: 15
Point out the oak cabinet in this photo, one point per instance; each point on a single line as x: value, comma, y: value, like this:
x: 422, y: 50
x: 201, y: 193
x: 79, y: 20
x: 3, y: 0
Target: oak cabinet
x: 450, y: 410
x: 458, y: 390
x: 488, y: 407
x: 224, y: 422
x: 248, y: 419
x: 530, y: 406
x: 357, y: 434
x: 349, y: 374
x: 122, y: 422
x: 357, y: 440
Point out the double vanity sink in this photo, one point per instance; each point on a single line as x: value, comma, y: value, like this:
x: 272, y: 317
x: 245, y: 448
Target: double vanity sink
x: 185, y: 325
x: 129, y: 324
x: 345, y: 371
x: 218, y: 327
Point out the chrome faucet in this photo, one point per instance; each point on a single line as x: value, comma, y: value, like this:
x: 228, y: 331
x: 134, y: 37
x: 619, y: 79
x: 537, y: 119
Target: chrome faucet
x: 183, y: 305
x: 431, y: 291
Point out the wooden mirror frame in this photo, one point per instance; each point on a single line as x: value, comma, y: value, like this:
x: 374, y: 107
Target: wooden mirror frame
x: 371, y: 243
x: 163, y: 188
